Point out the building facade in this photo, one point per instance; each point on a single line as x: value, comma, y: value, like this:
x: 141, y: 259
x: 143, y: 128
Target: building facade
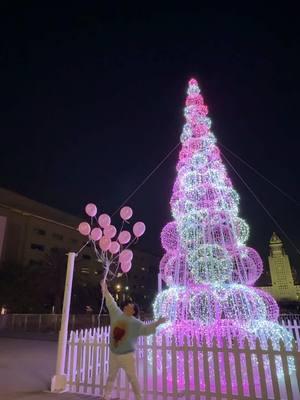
x: 283, y: 286
x: 31, y: 231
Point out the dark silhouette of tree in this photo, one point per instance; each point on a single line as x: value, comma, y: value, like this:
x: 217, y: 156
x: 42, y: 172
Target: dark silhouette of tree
x: 53, y: 276
x: 85, y: 288
x: 18, y: 288
x: 37, y: 288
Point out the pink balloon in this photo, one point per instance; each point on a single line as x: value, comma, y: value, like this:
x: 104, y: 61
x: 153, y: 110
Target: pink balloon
x: 104, y: 243
x: 96, y: 234
x: 126, y: 213
x: 91, y: 209
x: 124, y: 237
x: 139, y: 229
x: 125, y: 256
x: 110, y: 231
x: 126, y: 267
x: 84, y: 228
x: 114, y: 247
x: 104, y: 220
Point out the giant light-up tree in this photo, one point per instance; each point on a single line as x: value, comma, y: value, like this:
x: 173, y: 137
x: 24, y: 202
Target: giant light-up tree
x: 207, y: 266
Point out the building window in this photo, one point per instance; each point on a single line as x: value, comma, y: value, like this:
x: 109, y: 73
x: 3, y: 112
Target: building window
x: 39, y: 231
x: 84, y: 270
x: 39, y: 247
x: 57, y: 236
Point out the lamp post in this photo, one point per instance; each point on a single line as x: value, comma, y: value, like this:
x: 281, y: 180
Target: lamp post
x: 59, y: 380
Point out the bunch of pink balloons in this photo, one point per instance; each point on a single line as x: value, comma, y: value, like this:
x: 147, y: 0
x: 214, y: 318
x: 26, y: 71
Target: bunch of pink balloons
x: 105, y: 234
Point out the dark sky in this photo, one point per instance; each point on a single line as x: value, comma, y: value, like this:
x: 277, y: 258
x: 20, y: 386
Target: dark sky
x: 92, y: 99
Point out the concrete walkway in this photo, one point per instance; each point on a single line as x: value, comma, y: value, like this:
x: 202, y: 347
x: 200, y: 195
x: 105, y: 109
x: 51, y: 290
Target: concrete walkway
x: 26, y: 368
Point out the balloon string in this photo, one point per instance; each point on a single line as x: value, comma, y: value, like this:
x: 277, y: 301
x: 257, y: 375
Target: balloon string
x: 104, y: 259
x: 107, y: 265
x: 81, y: 248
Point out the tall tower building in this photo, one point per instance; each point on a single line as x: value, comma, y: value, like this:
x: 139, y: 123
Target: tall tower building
x: 283, y: 287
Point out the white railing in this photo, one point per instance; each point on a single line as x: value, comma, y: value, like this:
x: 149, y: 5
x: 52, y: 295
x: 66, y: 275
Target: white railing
x: 50, y: 323
x: 47, y: 323
x: 166, y: 370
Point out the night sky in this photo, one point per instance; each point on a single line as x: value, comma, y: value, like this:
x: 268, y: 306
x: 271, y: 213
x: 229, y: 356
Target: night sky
x: 92, y: 100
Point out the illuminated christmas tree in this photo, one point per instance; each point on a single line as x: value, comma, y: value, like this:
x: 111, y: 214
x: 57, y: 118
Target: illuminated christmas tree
x: 208, y: 268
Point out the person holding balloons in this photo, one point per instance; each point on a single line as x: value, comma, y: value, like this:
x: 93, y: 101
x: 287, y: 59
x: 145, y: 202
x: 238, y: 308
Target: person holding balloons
x: 125, y: 328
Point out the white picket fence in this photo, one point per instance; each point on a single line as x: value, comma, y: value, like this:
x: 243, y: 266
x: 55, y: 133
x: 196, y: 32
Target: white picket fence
x: 194, y: 371
x: 293, y: 326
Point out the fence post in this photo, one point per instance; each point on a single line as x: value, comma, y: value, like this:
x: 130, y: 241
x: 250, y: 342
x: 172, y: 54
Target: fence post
x: 174, y: 365
x: 236, y: 347
x: 296, y: 326
x: 297, y: 363
x: 272, y: 360
x: 216, y: 366
x: 284, y: 362
x: 71, y: 363
x: 261, y: 369
x: 206, y: 375
x: 249, y: 368
x: 227, y: 361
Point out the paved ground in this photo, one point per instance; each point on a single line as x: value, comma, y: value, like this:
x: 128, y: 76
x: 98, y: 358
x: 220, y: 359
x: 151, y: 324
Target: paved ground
x: 26, y: 367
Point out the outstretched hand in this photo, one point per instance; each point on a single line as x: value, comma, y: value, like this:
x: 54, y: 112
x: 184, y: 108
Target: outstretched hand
x: 161, y: 320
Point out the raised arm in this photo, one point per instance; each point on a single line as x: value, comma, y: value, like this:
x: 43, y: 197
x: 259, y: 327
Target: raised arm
x: 150, y: 329
x: 109, y: 300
